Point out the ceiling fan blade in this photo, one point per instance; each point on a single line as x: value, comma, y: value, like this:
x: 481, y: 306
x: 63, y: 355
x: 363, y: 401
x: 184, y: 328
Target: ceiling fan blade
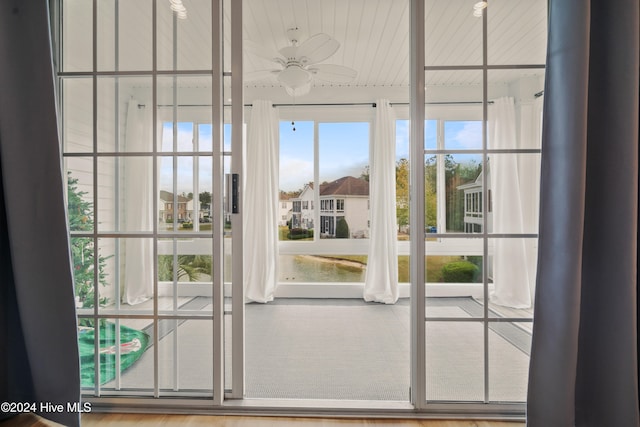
x: 317, y: 48
x: 260, y: 51
x: 259, y: 75
x: 333, y: 73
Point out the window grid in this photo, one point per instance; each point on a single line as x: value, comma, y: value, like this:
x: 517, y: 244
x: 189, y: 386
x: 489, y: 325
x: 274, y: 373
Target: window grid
x: 96, y: 155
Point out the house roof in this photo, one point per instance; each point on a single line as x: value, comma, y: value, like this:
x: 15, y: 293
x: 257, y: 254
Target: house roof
x: 168, y: 197
x: 345, y: 186
x: 477, y: 183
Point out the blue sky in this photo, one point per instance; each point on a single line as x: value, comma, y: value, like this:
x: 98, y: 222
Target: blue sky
x: 344, y: 150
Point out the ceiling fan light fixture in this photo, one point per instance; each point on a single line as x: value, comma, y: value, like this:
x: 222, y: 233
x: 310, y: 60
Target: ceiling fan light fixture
x: 477, y: 13
x: 294, y: 77
x: 300, y: 91
x: 480, y: 5
x: 178, y: 8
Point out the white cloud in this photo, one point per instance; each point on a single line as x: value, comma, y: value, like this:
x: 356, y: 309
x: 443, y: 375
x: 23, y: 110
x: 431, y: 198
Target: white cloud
x: 294, y: 173
x: 470, y: 136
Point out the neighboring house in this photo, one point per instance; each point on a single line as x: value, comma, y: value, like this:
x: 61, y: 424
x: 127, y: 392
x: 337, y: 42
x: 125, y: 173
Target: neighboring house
x: 167, y: 211
x: 474, y: 205
x: 285, y: 209
x: 191, y: 209
x: 302, y: 208
x: 347, y: 198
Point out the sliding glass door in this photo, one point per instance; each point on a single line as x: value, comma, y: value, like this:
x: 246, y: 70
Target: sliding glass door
x: 222, y: 188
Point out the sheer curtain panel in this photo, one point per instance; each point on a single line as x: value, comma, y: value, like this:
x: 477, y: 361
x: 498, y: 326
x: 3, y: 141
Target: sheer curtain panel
x: 261, y: 204
x: 510, y: 269
x: 39, y: 356
x: 583, y: 368
x: 138, y: 204
x: 381, y: 283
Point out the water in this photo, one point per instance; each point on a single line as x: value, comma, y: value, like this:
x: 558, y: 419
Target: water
x: 309, y: 268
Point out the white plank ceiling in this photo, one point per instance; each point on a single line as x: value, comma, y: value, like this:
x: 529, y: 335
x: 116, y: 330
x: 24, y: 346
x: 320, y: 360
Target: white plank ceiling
x: 373, y: 37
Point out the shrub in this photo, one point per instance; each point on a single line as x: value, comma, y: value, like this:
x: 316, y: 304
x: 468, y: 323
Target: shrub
x: 460, y: 272
x: 299, y: 233
x: 342, y: 229
x: 187, y: 225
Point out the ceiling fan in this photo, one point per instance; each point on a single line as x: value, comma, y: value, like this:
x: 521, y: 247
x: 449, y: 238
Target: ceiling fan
x: 299, y: 62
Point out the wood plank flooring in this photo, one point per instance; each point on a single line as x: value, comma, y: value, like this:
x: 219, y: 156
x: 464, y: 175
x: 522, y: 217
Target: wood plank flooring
x: 145, y: 420
x: 140, y: 420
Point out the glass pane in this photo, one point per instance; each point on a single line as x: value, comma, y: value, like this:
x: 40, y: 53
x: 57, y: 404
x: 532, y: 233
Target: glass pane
x: 314, y: 349
x: 524, y: 87
x: 432, y: 218
x: 182, y: 100
x: 463, y: 134
x: 184, y: 37
x: 455, y: 93
x: 81, y: 215
x: 455, y: 361
x: 125, y: 194
x: 454, y: 278
x: 77, y: 120
x: 512, y: 271
x: 514, y: 192
x: 124, y: 119
x: 185, y: 269
x: 296, y: 211
x: 185, y: 351
x: 344, y: 180
x: 83, y: 259
x: 453, y: 35
x: 463, y: 188
x: 125, y: 270
x: 125, y: 360
x: 205, y: 137
x: 124, y: 35
x: 77, y: 35
x: 177, y: 206
x: 509, y: 351
x: 517, y: 32
x: 430, y: 134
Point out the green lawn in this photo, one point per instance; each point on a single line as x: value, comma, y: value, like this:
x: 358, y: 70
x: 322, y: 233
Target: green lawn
x: 433, y: 268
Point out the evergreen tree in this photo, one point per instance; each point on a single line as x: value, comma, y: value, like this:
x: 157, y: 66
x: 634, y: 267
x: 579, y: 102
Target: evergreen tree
x: 80, y: 216
x: 342, y: 229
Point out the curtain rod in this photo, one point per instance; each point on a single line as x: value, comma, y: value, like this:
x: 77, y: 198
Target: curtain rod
x: 345, y: 104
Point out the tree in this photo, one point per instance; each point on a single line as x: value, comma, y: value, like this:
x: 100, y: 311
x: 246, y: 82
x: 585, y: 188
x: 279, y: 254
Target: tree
x: 80, y: 213
x: 402, y: 192
x: 365, y: 173
x: 205, y: 200
x: 342, y: 229
x: 190, y: 267
x: 457, y: 174
x: 430, y: 192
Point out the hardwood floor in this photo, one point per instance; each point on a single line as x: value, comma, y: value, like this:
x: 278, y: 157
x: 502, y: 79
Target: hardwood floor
x: 139, y: 420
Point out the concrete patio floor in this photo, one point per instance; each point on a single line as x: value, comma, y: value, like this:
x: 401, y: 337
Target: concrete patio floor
x: 343, y: 349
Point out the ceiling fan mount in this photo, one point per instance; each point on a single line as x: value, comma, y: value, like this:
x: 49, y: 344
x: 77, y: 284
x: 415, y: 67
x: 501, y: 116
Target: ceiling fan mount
x: 299, y: 62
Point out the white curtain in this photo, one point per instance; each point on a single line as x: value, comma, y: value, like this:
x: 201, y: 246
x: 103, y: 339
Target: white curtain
x: 261, y: 204
x: 381, y: 283
x: 510, y: 264
x: 529, y: 169
x: 137, y: 214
